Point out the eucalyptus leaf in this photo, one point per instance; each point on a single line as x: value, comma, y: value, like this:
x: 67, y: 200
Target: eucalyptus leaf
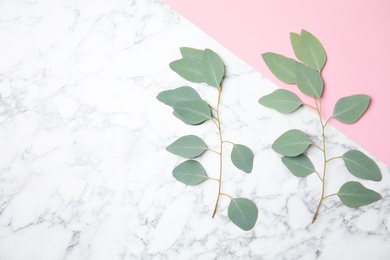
x: 300, y: 166
x: 353, y: 194
x: 242, y: 157
x: 292, y: 143
x: 173, y: 96
x: 349, y: 109
x: 296, y: 43
x: 190, y: 172
x: 243, y: 213
x: 309, y: 81
x: 281, y: 100
x: 312, y: 51
x: 361, y: 166
x: 188, y: 68
x: 188, y: 52
x: 192, y: 112
x: 213, y: 68
x: 282, y: 67
x: 189, y: 146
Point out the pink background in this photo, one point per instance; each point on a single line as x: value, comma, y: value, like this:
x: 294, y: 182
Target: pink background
x: 355, y: 35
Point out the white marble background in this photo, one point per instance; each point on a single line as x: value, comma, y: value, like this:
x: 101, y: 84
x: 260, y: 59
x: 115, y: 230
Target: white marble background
x: 83, y: 169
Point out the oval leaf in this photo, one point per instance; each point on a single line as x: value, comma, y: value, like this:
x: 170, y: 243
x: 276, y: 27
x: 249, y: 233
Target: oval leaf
x: 190, y: 172
x: 312, y: 51
x: 353, y: 194
x: 188, y: 68
x: 300, y: 166
x: 291, y: 143
x: 281, y: 100
x: 243, y: 213
x: 295, y: 40
x: 213, y: 68
x: 192, y: 112
x: 349, y: 109
x: 173, y: 96
x: 309, y: 81
x: 282, y: 67
x: 242, y: 157
x: 361, y: 166
x: 187, y: 52
x: 188, y: 146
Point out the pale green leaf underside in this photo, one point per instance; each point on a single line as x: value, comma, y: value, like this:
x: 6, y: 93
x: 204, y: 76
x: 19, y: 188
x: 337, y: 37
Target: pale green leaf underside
x: 282, y: 67
x: 242, y: 157
x: 361, y: 166
x: 173, y: 96
x: 281, y: 100
x: 188, y: 68
x: 309, y: 81
x: 189, y: 146
x: 300, y: 166
x: 313, y: 53
x: 349, y: 109
x: 192, y: 112
x: 190, y: 172
x: 243, y: 213
x: 291, y: 143
x: 212, y: 68
x: 353, y: 194
x: 188, y: 52
x: 295, y: 40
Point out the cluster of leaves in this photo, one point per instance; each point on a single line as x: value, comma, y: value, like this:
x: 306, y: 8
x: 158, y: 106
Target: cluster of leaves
x: 306, y: 74
x: 206, y: 66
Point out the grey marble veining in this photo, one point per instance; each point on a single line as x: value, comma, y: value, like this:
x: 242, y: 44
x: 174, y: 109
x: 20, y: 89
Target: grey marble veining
x: 84, y: 173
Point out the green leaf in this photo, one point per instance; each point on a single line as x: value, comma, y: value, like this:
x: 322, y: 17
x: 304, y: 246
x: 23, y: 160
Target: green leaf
x: 173, y: 96
x: 300, y: 166
x: 243, y: 213
x: 353, y: 194
x: 361, y: 166
x: 213, y: 68
x: 295, y: 40
x: 190, y: 172
x: 281, y: 100
x: 309, y: 81
x: 349, y: 109
x: 188, y: 68
x: 291, y: 143
x: 187, y: 52
x: 312, y: 51
x: 188, y: 146
x: 192, y: 112
x: 282, y: 67
x: 242, y: 157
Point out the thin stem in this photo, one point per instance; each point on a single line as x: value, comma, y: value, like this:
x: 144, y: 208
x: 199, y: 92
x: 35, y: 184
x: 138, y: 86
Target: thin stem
x: 327, y: 121
x: 307, y: 105
x: 336, y: 157
x: 213, y: 108
x: 227, y: 195
x: 225, y: 141
x: 316, y: 146
x: 319, y: 176
x: 212, y: 150
x: 327, y: 196
x: 214, y: 179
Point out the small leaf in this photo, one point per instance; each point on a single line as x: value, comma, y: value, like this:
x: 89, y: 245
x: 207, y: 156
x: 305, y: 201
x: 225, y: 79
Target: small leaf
x: 281, y: 100
x: 312, y: 51
x: 173, y: 96
x: 361, y: 166
x: 243, y: 213
x: 300, y: 166
x: 188, y: 68
x: 295, y: 40
x: 187, y: 52
x: 353, y: 194
x: 188, y: 146
x: 291, y: 143
x: 282, y: 67
x: 349, y: 109
x: 213, y: 68
x: 242, y: 157
x: 309, y: 81
x: 190, y: 172
x: 192, y: 112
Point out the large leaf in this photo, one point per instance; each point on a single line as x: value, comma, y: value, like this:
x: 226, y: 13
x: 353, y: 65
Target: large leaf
x: 282, y: 67
x: 190, y: 172
x: 291, y: 143
x: 188, y: 68
x: 308, y: 80
x: 243, y: 213
x: 361, y: 166
x: 173, y: 96
x: 349, y: 109
x: 281, y: 100
x: 212, y: 68
x: 312, y: 51
x: 353, y: 194
x: 187, y: 52
x: 242, y: 157
x: 300, y: 166
x: 296, y: 43
x: 188, y: 146
x: 192, y: 112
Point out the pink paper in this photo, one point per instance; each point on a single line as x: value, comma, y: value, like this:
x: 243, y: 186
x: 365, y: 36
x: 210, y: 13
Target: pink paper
x: 355, y: 35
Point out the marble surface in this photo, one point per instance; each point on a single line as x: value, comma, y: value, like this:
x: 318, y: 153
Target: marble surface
x: 84, y: 173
